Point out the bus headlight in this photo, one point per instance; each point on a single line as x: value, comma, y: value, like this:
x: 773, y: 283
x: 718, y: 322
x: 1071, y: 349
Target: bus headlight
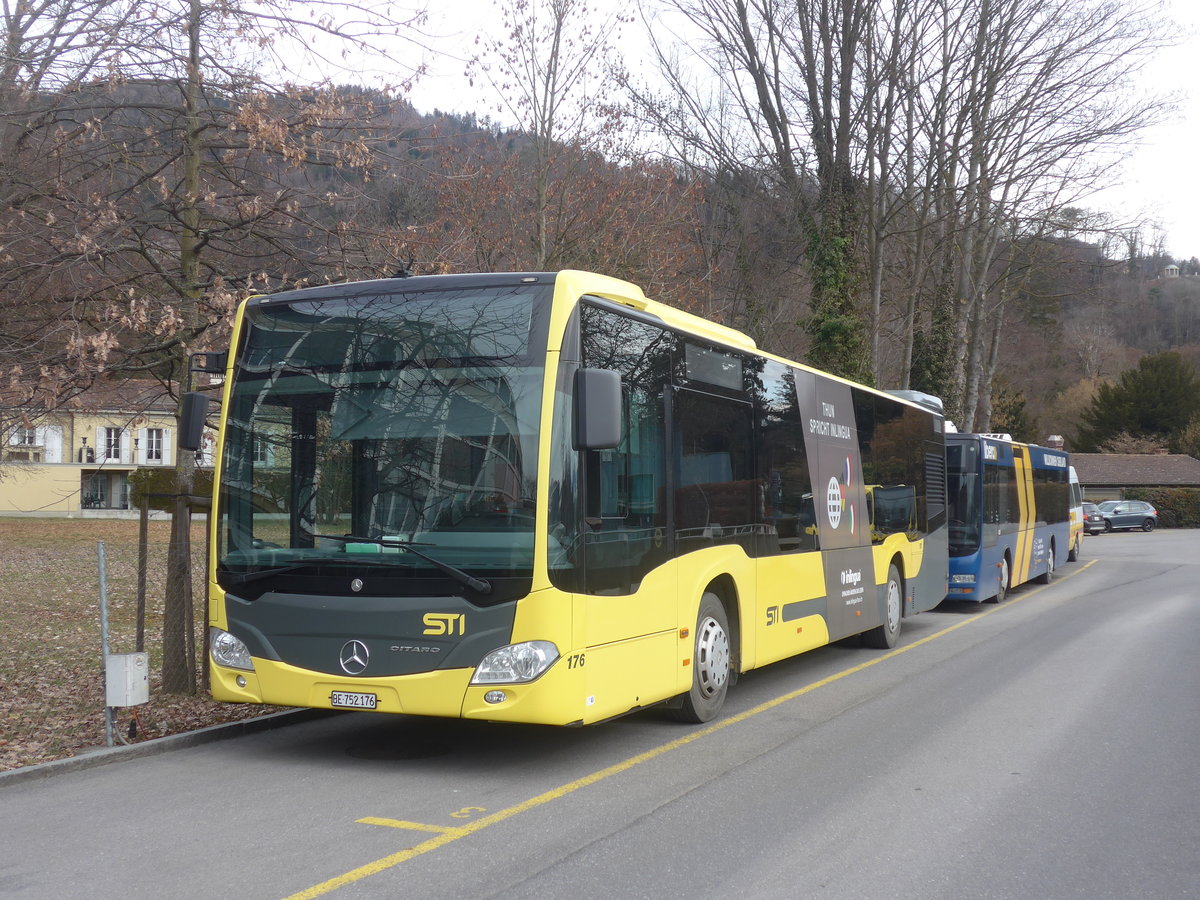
x: 515, y: 663
x: 962, y: 579
x: 228, y: 651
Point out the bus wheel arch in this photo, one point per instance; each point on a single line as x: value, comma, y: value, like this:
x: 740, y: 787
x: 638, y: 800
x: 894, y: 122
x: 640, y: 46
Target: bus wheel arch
x: 713, y: 659
x: 887, y: 634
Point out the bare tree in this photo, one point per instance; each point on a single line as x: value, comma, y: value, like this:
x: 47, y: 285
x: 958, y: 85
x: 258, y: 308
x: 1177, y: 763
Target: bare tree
x: 909, y: 142
x: 1042, y: 92
x: 179, y: 182
x: 551, y: 72
x: 787, y: 102
x: 49, y: 50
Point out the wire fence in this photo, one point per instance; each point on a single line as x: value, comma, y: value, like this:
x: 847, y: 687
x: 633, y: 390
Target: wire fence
x: 147, y: 611
x: 51, y: 665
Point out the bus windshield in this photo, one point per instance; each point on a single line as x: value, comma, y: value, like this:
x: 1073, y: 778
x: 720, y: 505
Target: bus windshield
x: 962, y: 485
x: 396, y: 430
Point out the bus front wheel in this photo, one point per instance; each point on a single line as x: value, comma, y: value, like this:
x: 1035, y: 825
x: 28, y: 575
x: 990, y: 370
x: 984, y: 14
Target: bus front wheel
x: 711, y: 663
x: 887, y: 635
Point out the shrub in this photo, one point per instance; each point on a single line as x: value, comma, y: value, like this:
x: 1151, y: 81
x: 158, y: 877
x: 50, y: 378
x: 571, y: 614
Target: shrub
x: 1177, y: 507
x: 158, y: 485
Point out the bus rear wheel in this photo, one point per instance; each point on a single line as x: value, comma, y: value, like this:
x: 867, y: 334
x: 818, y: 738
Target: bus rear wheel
x: 887, y: 635
x: 1048, y: 576
x: 1002, y: 583
x: 711, y: 664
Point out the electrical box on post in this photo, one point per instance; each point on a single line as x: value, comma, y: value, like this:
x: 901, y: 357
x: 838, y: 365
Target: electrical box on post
x: 127, y: 679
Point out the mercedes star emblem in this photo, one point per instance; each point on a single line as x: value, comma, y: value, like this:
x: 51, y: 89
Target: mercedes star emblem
x: 354, y: 657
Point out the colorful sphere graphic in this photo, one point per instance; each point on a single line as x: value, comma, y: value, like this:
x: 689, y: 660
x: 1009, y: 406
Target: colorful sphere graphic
x: 833, y: 499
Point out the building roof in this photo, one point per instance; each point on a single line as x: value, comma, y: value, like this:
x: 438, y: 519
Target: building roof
x: 1137, y: 469
x: 124, y: 396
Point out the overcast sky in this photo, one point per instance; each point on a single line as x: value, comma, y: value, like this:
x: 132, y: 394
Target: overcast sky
x: 1160, y: 183
x: 1162, y: 179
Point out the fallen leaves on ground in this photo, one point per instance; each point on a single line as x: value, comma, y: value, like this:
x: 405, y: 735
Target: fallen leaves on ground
x: 51, y: 671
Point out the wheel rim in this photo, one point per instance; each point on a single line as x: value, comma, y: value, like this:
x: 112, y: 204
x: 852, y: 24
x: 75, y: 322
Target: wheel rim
x: 1148, y: 525
x: 1003, y: 579
x: 893, y: 606
x: 1050, y: 561
x: 712, y: 657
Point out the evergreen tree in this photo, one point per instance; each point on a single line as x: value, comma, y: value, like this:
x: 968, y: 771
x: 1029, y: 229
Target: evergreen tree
x: 1009, y: 414
x: 1156, y: 400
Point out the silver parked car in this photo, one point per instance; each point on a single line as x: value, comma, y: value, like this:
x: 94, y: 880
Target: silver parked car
x: 1120, y: 514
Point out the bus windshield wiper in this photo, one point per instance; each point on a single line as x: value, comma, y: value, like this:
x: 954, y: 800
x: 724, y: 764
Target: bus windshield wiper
x: 481, y: 585
x: 247, y: 577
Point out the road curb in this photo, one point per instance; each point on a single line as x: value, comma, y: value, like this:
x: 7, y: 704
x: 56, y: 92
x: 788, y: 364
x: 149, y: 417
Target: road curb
x: 103, y: 756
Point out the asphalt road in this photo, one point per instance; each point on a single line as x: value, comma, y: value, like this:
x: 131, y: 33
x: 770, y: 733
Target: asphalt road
x: 1043, y: 748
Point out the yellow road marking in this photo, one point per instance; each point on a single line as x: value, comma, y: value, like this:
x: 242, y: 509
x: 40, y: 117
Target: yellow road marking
x: 449, y: 835
x: 411, y: 826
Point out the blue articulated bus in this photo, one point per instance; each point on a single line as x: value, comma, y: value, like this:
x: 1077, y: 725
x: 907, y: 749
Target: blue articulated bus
x: 1009, y: 509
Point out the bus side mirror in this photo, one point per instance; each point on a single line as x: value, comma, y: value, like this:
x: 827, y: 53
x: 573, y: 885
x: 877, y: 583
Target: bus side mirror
x: 211, y: 362
x: 597, y: 409
x: 191, y: 420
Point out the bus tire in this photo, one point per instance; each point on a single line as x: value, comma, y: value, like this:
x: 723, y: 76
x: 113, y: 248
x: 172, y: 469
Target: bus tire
x: 887, y: 635
x: 711, y: 664
x: 1073, y: 553
x: 1001, y: 583
x: 1048, y: 576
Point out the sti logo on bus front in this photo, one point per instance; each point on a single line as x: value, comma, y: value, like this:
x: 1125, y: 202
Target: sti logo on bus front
x: 445, y: 623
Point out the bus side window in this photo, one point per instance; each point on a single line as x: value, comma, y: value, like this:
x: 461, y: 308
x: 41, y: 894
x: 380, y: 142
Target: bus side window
x: 894, y: 440
x: 787, y: 508
x: 716, y: 495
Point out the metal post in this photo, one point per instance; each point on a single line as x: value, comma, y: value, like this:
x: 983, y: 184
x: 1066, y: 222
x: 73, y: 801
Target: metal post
x: 143, y: 549
x: 204, y: 670
x: 108, y: 716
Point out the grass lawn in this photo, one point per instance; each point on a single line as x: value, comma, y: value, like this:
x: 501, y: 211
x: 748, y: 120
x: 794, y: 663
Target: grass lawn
x: 51, y: 673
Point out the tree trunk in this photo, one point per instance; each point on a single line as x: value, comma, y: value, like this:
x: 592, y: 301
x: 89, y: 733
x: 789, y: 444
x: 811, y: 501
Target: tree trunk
x: 179, y: 673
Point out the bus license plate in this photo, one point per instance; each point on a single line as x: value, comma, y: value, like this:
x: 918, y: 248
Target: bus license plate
x: 350, y: 700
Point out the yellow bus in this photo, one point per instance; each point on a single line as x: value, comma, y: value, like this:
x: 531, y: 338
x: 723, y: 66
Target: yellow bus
x: 1076, y: 516
x: 545, y: 498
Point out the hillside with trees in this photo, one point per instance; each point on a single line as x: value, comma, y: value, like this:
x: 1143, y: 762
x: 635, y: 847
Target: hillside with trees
x: 900, y: 210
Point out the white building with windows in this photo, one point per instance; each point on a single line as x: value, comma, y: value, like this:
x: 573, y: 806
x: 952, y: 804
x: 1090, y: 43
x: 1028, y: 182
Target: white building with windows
x: 77, y: 460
